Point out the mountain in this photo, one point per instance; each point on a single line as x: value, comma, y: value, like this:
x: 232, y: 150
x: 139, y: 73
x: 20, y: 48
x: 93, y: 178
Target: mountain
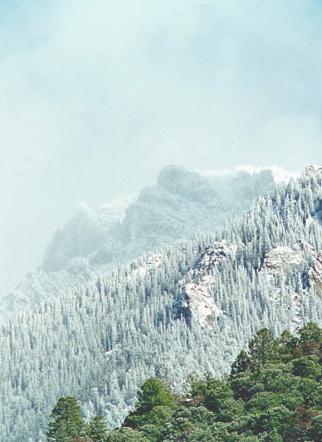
x: 166, y: 314
x: 181, y: 205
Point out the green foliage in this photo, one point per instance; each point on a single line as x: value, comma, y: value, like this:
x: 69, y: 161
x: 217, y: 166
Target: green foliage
x: 273, y: 394
x: 314, y: 398
x: 154, y: 399
x: 151, y: 422
x: 262, y: 348
x: 310, y: 332
x: 97, y: 429
x: 154, y: 393
x: 192, y: 424
x: 241, y: 364
x: 309, y: 341
x: 217, y: 397
x: 66, y: 423
x: 316, y: 431
x: 126, y: 435
x: 307, y: 367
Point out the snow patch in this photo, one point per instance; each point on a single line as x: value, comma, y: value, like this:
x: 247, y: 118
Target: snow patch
x: 151, y: 263
x: 282, y: 258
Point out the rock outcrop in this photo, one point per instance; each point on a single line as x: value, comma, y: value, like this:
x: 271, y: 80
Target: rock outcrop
x: 195, y: 300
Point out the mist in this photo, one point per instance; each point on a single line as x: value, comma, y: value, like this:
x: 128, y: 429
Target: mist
x: 96, y: 97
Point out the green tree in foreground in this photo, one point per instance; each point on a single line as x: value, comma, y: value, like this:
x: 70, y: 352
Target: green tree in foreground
x: 241, y: 364
x: 97, y: 429
x: 262, y: 348
x: 153, y: 393
x: 273, y: 394
x: 66, y: 423
x: 127, y: 435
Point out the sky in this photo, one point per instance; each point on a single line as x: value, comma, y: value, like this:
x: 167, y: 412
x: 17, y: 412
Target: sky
x: 96, y: 96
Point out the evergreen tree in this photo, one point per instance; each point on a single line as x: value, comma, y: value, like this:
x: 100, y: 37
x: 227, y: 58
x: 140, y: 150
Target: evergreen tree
x: 310, y: 339
x: 241, y: 364
x: 262, y: 347
x: 154, y: 393
x: 66, y: 423
x: 285, y: 345
x: 97, y: 429
x: 268, y: 402
x: 127, y: 435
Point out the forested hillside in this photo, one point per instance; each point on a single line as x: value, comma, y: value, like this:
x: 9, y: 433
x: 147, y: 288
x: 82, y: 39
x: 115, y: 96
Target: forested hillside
x: 190, y: 308
x: 181, y: 205
x: 273, y: 393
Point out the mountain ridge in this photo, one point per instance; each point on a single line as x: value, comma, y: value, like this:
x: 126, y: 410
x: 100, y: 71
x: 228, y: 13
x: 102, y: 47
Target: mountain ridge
x: 182, y: 204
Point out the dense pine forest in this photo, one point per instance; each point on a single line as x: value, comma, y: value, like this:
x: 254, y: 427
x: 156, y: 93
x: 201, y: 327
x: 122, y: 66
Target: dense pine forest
x: 273, y: 393
x: 188, y: 308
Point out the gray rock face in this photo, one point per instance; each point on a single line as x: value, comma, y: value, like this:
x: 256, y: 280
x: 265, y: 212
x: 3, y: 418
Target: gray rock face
x: 195, y: 302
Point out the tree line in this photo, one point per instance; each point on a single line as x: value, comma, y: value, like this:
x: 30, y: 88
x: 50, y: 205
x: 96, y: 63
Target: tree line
x: 273, y: 394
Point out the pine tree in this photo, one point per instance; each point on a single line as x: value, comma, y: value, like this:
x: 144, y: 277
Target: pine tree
x: 66, y: 422
x: 241, y: 364
x: 153, y: 393
x: 97, y: 429
x: 261, y: 348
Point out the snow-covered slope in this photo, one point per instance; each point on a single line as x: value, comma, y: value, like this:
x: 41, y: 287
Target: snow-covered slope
x: 190, y: 308
x: 181, y: 205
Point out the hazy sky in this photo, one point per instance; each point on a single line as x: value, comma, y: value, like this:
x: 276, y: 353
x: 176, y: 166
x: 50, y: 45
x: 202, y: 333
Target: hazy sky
x: 97, y: 95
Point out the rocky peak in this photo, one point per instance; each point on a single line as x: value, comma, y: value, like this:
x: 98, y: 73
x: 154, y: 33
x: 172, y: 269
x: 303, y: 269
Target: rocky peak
x: 301, y: 255
x: 188, y: 184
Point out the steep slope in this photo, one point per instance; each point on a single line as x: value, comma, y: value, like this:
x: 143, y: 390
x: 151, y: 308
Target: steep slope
x: 180, y: 206
x: 148, y: 318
